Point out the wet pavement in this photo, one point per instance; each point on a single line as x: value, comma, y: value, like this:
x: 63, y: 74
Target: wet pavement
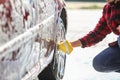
x: 79, y: 62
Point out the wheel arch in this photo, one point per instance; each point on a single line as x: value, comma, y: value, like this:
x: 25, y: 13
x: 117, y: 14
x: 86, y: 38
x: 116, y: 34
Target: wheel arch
x: 64, y: 18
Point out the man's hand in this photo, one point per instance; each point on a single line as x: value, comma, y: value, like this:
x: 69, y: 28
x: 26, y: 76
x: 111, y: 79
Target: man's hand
x: 65, y: 46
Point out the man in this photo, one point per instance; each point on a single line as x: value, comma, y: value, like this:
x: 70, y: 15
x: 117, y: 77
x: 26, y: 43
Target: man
x: 109, y: 59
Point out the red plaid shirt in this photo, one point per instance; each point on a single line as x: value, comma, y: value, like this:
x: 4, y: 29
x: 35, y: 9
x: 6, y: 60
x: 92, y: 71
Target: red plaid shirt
x: 108, y: 23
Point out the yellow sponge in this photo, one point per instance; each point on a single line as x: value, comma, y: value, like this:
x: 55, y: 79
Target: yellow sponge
x: 65, y: 47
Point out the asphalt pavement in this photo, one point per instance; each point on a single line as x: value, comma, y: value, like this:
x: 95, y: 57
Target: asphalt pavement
x: 79, y: 62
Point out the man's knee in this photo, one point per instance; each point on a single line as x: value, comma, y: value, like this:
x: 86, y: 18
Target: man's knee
x: 98, y: 65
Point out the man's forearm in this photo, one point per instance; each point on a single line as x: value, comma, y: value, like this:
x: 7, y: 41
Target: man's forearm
x: 76, y: 43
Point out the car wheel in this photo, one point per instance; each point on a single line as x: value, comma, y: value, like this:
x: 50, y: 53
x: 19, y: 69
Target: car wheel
x: 55, y: 70
x: 59, y: 56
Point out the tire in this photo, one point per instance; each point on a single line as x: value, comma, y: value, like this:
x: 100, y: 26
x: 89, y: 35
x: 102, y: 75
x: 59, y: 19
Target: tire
x: 46, y: 74
x: 55, y: 70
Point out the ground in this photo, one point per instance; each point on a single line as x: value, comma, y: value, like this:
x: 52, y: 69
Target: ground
x: 79, y: 62
x: 84, y: 5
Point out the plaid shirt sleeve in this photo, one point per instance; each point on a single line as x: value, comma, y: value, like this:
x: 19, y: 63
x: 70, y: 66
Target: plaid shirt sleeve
x: 98, y: 34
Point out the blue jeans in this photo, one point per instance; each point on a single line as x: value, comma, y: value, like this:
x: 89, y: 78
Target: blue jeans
x: 108, y: 60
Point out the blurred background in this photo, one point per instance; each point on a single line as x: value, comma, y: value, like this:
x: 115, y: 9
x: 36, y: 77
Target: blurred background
x: 88, y: 0
x: 83, y: 15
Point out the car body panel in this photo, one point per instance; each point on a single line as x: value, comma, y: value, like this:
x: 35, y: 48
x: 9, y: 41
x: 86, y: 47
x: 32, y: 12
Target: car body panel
x: 28, y: 30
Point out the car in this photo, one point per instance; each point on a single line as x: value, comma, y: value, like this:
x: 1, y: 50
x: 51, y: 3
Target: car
x: 29, y: 33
